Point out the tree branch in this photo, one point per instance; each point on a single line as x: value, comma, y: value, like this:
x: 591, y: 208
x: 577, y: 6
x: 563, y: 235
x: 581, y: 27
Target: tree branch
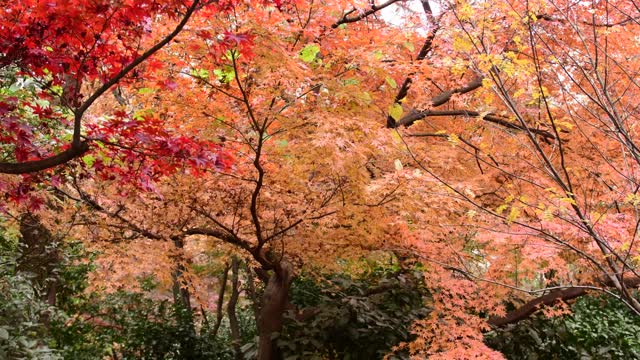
x: 445, y: 96
x: 222, y: 235
x: 568, y: 293
x: 37, y: 165
x: 374, y: 8
x: 234, y: 325
x: 220, y: 303
x: 414, y: 116
x: 534, y: 305
x: 426, y: 47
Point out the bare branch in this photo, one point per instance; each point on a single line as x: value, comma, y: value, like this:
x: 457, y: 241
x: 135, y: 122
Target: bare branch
x: 530, y: 307
x: 422, y: 54
x: 222, y: 235
x: 414, y: 116
x: 374, y: 8
x: 445, y: 96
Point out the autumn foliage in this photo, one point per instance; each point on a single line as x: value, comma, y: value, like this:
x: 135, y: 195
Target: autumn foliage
x: 493, y: 144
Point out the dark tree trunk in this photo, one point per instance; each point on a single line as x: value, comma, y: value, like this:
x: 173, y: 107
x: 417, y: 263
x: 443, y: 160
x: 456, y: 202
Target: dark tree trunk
x: 180, y: 293
x: 40, y: 255
x: 182, y: 303
x: 251, y: 291
x: 231, y: 308
x: 220, y: 304
x: 274, y: 303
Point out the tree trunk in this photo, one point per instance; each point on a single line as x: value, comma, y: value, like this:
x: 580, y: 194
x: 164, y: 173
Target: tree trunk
x: 274, y: 303
x: 251, y: 292
x: 231, y: 308
x: 219, y: 314
x: 41, y: 257
x: 181, y: 293
x: 182, y: 303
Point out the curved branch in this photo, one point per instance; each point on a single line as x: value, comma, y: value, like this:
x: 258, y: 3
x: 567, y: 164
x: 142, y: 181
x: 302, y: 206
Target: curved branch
x: 534, y: 305
x: 374, y: 8
x: 414, y: 116
x: 38, y: 165
x: 222, y: 235
x: 445, y: 96
x: 553, y: 294
x: 568, y: 293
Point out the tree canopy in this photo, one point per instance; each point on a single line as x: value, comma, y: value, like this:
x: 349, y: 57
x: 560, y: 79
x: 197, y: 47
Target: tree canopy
x: 490, y: 145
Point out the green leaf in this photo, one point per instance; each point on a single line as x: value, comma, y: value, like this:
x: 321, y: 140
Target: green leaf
x: 409, y: 46
x: 140, y: 115
x: 347, y: 82
x: 225, y: 75
x: 232, y: 54
x: 200, y: 73
x: 395, y: 111
x: 309, y: 53
x: 145, y: 90
x: 89, y: 160
x: 392, y: 83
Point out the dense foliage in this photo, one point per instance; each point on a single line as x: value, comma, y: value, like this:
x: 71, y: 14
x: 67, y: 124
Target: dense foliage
x: 343, y: 317
x: 362, y: 317
x: 225, y: 150
x: 355, y: 318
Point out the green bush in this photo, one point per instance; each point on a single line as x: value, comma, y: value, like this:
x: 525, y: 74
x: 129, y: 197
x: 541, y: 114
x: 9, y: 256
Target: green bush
x: 83, y: 325
x: 599, y: 328
x: 133, y: 326
x: 353, y: 317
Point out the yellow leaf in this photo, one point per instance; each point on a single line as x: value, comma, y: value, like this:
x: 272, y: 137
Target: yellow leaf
x: 568, y: 200
x: 513, y: 214
x: 391, y: 82
x: 396, y: 137
x: 462, y: 44
x: 453, y: 139
x: 395, y: 111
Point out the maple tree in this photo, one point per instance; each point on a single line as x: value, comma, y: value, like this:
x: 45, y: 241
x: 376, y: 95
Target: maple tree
x: 494, y: 142
x: 58, y: 48
x: 553, y: 214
